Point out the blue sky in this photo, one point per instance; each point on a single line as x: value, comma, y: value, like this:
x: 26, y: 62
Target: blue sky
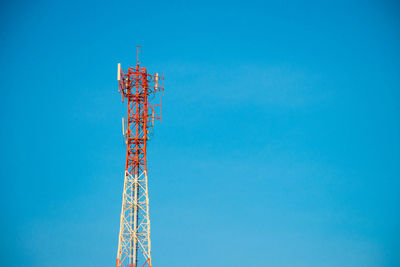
x: 279, y: 143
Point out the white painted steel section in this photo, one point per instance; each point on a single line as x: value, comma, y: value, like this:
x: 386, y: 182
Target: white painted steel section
x: 134, y: 212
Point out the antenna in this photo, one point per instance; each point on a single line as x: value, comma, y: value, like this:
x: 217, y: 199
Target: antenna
x: 123, y: 127
x: 138, y: 54
x: 119, y: 72
x: 156, y: 83
x: 121, y: 86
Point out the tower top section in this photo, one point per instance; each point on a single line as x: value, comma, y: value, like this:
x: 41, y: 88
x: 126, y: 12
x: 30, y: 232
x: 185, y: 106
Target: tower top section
x: 136, y: 78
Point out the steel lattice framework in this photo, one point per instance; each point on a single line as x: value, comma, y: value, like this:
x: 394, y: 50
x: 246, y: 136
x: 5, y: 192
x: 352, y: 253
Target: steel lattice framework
x: 137, y: 87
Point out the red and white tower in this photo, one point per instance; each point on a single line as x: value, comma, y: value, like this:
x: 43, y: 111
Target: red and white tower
x: 137, y: 86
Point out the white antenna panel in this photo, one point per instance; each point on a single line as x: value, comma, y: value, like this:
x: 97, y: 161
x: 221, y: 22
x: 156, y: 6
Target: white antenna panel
x: 119, y: 71
x: 123, y: 126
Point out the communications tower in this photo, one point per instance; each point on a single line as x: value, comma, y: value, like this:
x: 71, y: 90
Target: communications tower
x: 137, y: 87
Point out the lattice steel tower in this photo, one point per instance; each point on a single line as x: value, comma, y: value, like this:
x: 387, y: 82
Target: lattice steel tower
x: 137, y: 86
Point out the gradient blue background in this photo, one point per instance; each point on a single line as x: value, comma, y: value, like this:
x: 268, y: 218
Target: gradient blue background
x: 279, y: 145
